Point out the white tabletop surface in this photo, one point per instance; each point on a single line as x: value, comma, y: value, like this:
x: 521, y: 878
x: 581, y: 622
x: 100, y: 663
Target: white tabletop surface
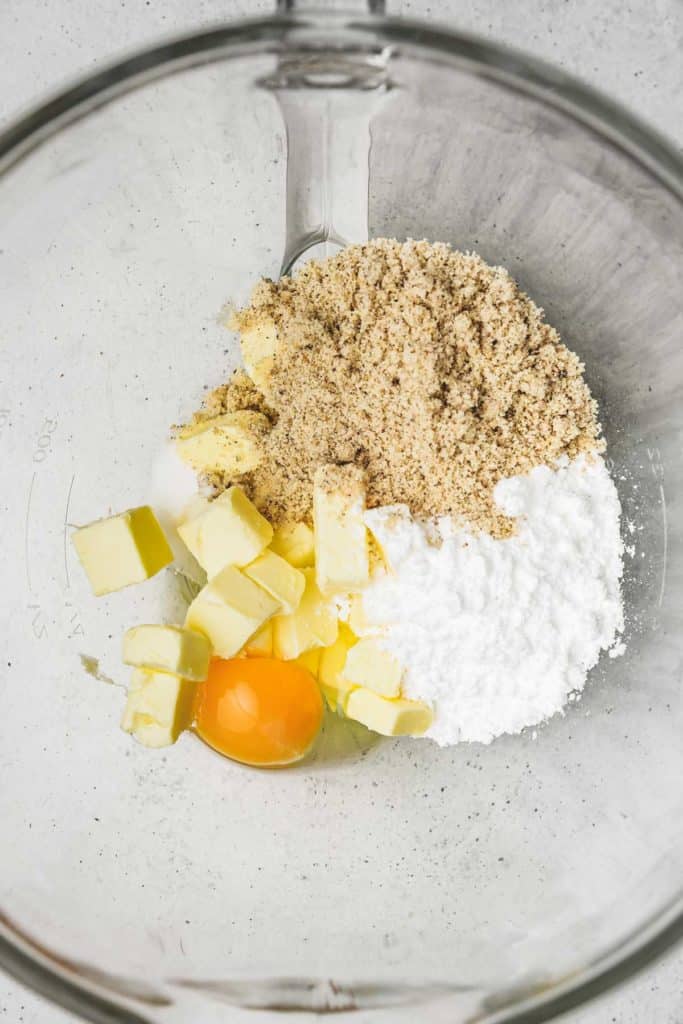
x: 632, y: 51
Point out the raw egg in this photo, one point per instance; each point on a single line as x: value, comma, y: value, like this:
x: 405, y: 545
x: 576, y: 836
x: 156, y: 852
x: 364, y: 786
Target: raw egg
x: 260, y: 711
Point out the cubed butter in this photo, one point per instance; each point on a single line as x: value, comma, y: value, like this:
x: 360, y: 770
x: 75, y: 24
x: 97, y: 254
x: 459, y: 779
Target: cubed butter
x: 335, y: 688
x: 168, y: 649
x: 358, y: 620
x: 389, y: 717
x: 229, y: 610
x: 389, y: 542
x: 313, y: 624
x: 197, y: 504
x: 259, y: 345
x: 294, y: 543
x: 231, y: 531
x: 282, y: 581
x: 124, y: 549
x: 150, y: 733
x: 310, y: 660
x: 368, y: 664
x: 260, y: 645
x: 159, y: 707
x: 341, y: 543
x: 231, y: 443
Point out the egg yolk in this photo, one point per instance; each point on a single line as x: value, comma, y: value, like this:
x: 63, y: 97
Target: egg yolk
x: 260, y: 711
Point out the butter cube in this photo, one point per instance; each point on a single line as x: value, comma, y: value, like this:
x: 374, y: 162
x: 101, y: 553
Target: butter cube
x: 282, y: 581
x: 294, y: 543
x: 231, y: 443
x: 124, y: 549
x: 168, y: 649
x: 260, y: 645
x: 389, y: 717
x: 229, y: 610
x: 390, y: 543
x: 335, y: 688
x: 197, y: 504
x: 341, y: 543
x: 313, y: 624
x: 368, y: 664
x: 310, y: 660
x: 358, y: 620
x: 158, y: 708
x: 231, y: 531
x: 152, y: 734
x: 259, y: 344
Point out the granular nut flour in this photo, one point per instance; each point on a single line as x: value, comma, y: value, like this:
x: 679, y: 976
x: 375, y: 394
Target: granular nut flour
x: 426, y: 367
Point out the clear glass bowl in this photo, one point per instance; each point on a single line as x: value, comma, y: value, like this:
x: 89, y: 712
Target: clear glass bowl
x: 498, y: 883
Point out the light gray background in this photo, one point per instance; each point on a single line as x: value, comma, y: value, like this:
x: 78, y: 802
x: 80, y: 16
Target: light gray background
x: 632, y: 51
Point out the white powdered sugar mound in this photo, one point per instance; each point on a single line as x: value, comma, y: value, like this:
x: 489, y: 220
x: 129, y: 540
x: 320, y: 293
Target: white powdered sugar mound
x: 496, y: 634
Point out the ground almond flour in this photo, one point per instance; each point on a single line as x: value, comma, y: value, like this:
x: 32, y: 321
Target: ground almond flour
x: 423, y: 365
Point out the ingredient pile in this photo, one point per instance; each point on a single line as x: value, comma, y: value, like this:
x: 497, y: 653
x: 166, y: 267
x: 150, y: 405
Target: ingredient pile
x: 402, y: 507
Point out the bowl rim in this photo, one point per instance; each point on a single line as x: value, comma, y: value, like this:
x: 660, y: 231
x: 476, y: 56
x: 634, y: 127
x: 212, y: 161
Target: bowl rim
x: 21, y: 957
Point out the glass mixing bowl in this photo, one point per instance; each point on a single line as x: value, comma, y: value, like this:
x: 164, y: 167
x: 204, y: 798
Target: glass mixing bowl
x: 384, y: 881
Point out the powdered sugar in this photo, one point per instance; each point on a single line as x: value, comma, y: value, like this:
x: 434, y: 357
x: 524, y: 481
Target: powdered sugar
x: 496, y: 634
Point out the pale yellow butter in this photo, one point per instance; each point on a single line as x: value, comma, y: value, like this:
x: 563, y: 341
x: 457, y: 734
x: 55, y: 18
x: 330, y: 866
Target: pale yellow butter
x: 150, y: 733
x: 335, y: 688
x: 310, y: 660
x: 124, y: 549
x: 294, y: 543
x: 368, y: 664
x: 197, y: 504
x: 341, y: 542
x: 259, y: 345
x: 168, y: 649
x: 231, y: 531
x: 231, y: 443
x: 389, y: 717
x: 313, y: 624
x: 158, y: 708
x: 282, y: 581
x: 260, y: 645
x: 229, y: 610
x: 358, y: 620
